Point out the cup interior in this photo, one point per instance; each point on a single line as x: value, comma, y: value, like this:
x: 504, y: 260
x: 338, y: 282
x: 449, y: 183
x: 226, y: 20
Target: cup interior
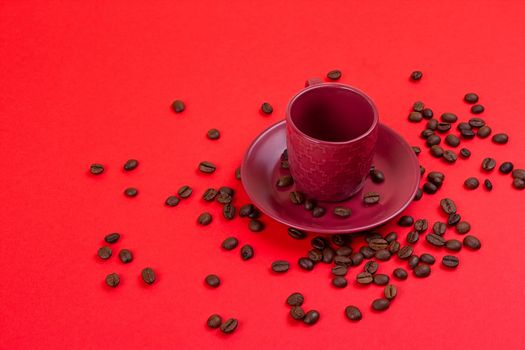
x: 332, y: 113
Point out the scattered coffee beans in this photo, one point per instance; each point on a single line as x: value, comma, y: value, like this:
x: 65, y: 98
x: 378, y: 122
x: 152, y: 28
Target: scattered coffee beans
x: 339, y: 282
x: 518, y: 183
x: 210, y: 194
x: 484, y: 132
x: 413, y: 261
x: 317, y: 212
x: 464, y: 153
x: 381, y: 279
x: 427, y: 113
x: 306, y: 264
x: 228, y: 211
x: 435, y: 240
x: 449, y: 117
x: 364, y: 278
x: 452, y: 140
x: 453, y: 245
x: 439, y: 228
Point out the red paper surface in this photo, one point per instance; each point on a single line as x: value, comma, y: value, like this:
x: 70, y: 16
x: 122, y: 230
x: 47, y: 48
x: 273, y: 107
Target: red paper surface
x: 85, y: 82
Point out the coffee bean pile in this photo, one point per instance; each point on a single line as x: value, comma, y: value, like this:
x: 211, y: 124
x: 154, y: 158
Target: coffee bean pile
x: 295, y: 301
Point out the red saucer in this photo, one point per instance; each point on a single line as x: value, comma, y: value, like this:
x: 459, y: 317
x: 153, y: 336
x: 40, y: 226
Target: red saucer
x: 394, y: 157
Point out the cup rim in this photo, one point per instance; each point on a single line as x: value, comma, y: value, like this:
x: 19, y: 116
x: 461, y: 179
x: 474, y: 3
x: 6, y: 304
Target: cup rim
x: 342, y: 86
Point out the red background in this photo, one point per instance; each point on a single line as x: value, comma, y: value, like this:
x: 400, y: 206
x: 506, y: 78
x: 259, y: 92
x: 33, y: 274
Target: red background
x: 93, y: 81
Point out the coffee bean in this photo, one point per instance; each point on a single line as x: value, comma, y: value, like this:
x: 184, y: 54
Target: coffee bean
x: 471, y: 97
x: 436, y: 177
x: 238, y: 173
x: 172, y: 201
x: 228, y: 211
x: 112, y: 238
x: 131, y: 192
x: 433, y: 140
x: 476, y: 122
x: 452, y: 140
x: 210, y: 194
x: 280, y: 266
x: 435, y: 240
x: 380, y: 304
x: 453, y: 245
x: 369, y: 236
x: 427, y: 113
x: 429, y: 188
x: 412, y: 237
x: 405, y: 252
x: 204, y: 219
x: 467, y: 134
x: 131, y: 164
x: 306, y: 264
x: 471, y: 183
x: 319, y: 242
x: 462, y: 227
x: 315, y: 255
x: 207, y: 167
x: 317, y: 212
x: 148, y: 275
x: 224, y: 198
x: 185, y: 191
x: 178, y: 106
x: 416, y: 75
x: 383, y: 255
x: 255, y: 214
x: 125, y: 256
x: 295, y: 299
x: 339, y: 270
x: 416, y: 150
x: 296, y: 233
x: 443, y: 127
x: 328, y: 255
x: 247, y: 252
x: 212, y: 281
x: 297, y: 313
x: 450, y: 261
x: 213, y: 134
x: 484, y: 132
x: 425, y: 134
x: 334, y: 74
x: 463, y: 126
x: 448, y: 206
x: 285, y: 181
x: 464, y: 153
x: 112, y: 280
x: 393, y: 247
x: 377, y: 176
x: 296, y: 197
x: 518, y: 174
x: 311, y: 317
x: 104, y: 253
x: 392, y: 236
x: 381, y: 279
x: 518, y: 183
x: 427, y: 259
x: 214, y: 321
x: 309, y: 204
x: 339, y: 282
x: 439, y: 228
x: 471, y: 242
x: 413, y: 261
x: 488, y: 164
x: 340, y: 240
x: 364, y: 278
x: 449, y: 156
x: 246, y: 210
x: 405, y: 221
x: 255, y: 225
x: 390, y: 291
x: 421, y: 225
x: 421, y: 170
x: 96, y: 169
x: 357, y: 258
x: 266, y: 108
x: 343, y: 260
x: 344, y: 251
x: 371, y: 267
x: 436, y: 151
x: 230, y: 243
x: 500, y: 138
x: 506, y: 167
x: 227, y: 191
x: 422, y: 271
x: 353, y: 313
x: 229, y: 326
x: 367, y: 252
x: 400, y: 273
x: 432, y: 124
x: 449, y: 117
x: 477, y: 109
x: 453, y: 219
x: 418, y: 106
x: 378, y: 244
x: 371, y: 198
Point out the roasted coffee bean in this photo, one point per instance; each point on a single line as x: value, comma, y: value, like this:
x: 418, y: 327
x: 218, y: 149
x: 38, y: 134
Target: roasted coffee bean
x: 393, y: 247
x: 230, y: 243
x: 339, y: 282
x: 449, y: 117
x: 405, y: 252
x: 450, y: 261
x: 344, y: 251
x: 229, y: 326
x: 328, y: 255
x: 484, y: 132
x: 207, y: 167
x: 436, y: 178
x: 112, y: 238
x: 178, y: 106
x: 506, y: 167
x: 436, y: 151
x: 185, y: 191
x: 405, y: 221
x: 172, y: 201
x: 518, y: 174
x: 433, y: 140
x: 357, y: 258
x: 266, y: 108
x: 339, y: 270
x: 477, y: 109
x: 471, y: 183
x: 112, y: 280
x: 421, y: 225
x: 413, y: 261
x: 378, y: 244
x: 297, y: 313
x: 228, y: 211
x: 416, y: 75
x: 224, y: 198
x: 463, y: 126
x: 471, y: 242
x: 421, y: 170
x: 371, y: 198
x: 427, y: 259
x: 210, y: 194
x: 342, y: 212
x: 214, y: 321
x: 315, y: 255
x: 381, y: 279
x: 439, y: 228
x: 372, y: 235
x: 390, y: 291
x: 471, y: 97
x: 418, y: 106
x: 452, y: 140
x: 448, y: 206
x: 204, y: 219
x: 296, y: 233
x: 422, y: 271
x: 429, y: 188
x: 131, y: 164
x: 353, y: 313
x: 412, y: 237
x: 96, y: 169
x: 285, y: 181
x: 383, y: 255
x: 377, y: 176
x: 425, y: 134
x: 131, y: 192
x: 309, y: 204
x: 380, y: 304
x: 255, y: 214
x: 500, y: 138
x: 427, y: 113
x: 340, y: 240
x: 334, y: 74
x: 464, y: 153
x: 371, y: 267
x: 213, y: 134
x: 317, y: 212
x: 449, y: 156
x: 462, y: 227
x: 125, y: 256
x: 319, y: 242
x: 104, y: 253
x: 435, y: 240
x: 392, y: 236
x: 296, y: 197
x: 443, y: 127
x: 246, y: 252
x: 306, y: 264
x: 367, y: 252
x: 311, y: 317
x: 432, y: 124
x: 416, y: 150
x: 255, y: 225
x: 148, y: 275
x: 246, y: 210
x: 453, y: 219
x: 476, y: 122
x: 518, y: 183
x: 227, y: 190
x: 280, y: 266
x: 364, y: 278
x: 343, y: 260
x: 453, y: 244
x: 400, y: 273
x: 295, y: 299
x: 212, y: 281
x: 238, y: 173
x: 488, y: 164
x: 467, y: 133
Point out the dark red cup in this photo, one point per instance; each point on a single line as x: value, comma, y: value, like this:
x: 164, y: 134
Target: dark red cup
x: 331, y: 133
